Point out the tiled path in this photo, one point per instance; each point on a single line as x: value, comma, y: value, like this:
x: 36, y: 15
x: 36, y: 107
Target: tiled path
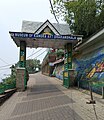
x: 47, y: 99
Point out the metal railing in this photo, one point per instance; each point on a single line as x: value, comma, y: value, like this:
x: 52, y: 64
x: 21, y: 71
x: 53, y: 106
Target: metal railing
x: 4, y: 87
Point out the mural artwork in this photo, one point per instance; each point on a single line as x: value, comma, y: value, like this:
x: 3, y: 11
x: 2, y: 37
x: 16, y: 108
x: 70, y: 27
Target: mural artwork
x: 90, y: 67
x: 59, y: 71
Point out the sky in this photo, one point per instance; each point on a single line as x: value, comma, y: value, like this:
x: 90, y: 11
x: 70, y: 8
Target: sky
x: 12, y: 13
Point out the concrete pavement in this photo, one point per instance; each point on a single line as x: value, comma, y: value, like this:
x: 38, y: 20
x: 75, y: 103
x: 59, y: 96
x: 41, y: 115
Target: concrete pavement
x: 46, y: 99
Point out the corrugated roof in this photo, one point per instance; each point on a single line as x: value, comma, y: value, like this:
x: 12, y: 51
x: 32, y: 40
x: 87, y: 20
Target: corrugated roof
x: 62, y: 28
x: 31, y: 27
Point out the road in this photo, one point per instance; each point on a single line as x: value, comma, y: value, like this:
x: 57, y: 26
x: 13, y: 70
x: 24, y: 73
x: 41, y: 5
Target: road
x: 46, y: 99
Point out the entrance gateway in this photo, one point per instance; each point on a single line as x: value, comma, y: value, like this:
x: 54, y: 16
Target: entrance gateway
x: 46, y: 35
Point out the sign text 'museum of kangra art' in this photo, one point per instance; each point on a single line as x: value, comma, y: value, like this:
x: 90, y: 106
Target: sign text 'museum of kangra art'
x: 42, y: 36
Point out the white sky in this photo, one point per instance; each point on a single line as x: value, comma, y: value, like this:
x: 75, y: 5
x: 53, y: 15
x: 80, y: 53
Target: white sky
x: 12, y: 13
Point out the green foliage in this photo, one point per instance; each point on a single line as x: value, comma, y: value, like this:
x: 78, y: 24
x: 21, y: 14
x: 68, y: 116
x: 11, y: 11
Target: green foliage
x: 8, y: 83
x: 95, y: 82
x: 84, y: 17
x: 9, y: 80
x: 32, y: 64
x: 2, y: 88
x: 1, y: 85
x: 60, y: 53
x: 13, y: 70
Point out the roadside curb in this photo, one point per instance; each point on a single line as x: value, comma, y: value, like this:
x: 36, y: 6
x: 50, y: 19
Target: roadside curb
x: 6, y: 95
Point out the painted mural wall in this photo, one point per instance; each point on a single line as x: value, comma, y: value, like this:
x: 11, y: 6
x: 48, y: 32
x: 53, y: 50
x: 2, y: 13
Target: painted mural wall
x: 90, y: 67
x: 58, y: 71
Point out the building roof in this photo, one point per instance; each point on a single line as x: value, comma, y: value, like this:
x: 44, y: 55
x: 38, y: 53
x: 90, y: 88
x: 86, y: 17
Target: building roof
x: 96, y: 38
x: 32, y: 27
x: 44, y: 34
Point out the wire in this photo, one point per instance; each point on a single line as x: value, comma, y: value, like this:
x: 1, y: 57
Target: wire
x: 34, y: 53
x: 5, y: 69
x: 15, y: 63
x: 3, y: 60
x: 40, y: 54
x: 53, y: 11
x: 7, y: 65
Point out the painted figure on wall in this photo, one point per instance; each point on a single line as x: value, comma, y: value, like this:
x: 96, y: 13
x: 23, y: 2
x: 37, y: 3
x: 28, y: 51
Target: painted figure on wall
x: 90, y: 66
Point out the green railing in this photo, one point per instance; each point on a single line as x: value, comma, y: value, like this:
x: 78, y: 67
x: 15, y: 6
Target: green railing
x: 10, y: 86
x: 4, y: 87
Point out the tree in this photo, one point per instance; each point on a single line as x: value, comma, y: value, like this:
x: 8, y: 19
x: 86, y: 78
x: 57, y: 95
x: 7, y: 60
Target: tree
x: 84, y: 17
x: 32, y: 64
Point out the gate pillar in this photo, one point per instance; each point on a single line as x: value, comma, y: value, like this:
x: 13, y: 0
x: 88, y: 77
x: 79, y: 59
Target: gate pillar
x: 68, y: 73
x: 21, y: 76
x: 22, y: 59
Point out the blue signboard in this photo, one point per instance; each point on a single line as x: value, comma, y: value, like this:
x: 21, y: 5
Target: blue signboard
x: 42, y: 36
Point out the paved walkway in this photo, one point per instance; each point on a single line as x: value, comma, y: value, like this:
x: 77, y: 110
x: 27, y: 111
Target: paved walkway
x: 47, y: 99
